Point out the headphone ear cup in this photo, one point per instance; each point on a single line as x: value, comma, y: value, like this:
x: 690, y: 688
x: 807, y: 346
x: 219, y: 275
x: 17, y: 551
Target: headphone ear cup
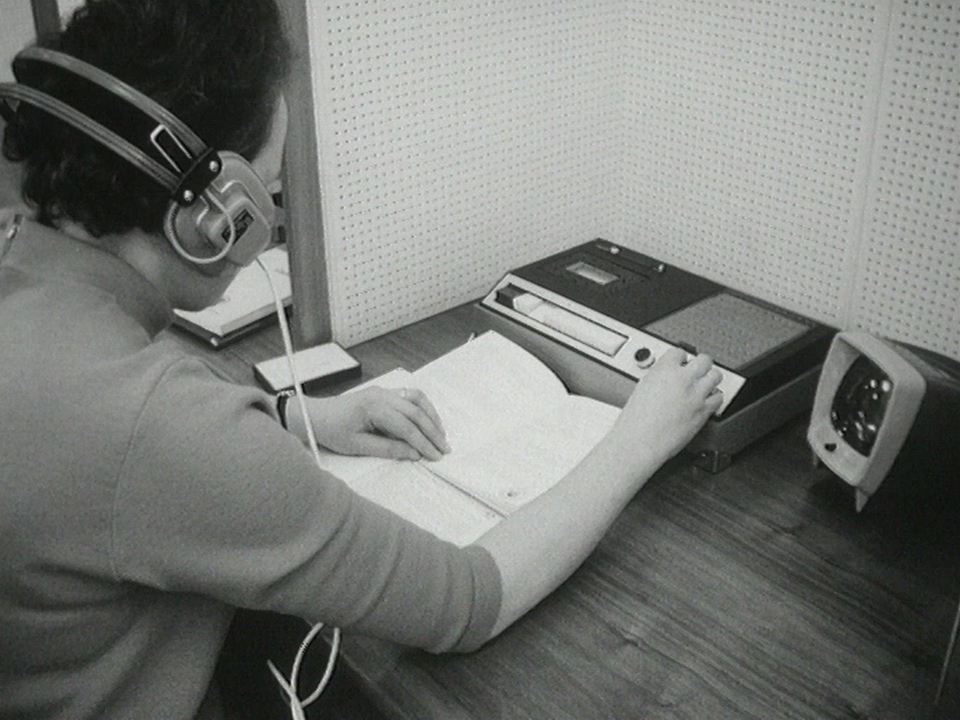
x: 232, y: 219
x: 182, y: 230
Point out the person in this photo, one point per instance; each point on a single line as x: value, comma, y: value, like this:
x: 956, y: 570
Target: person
x: 146, y: 497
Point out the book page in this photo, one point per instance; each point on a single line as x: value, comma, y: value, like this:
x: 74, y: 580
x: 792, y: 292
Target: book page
x: 523, y: 459
x: 484, y: 386
x: 480, y: 388
x: 513, y: 429
x: 248, y: 297
x: 411, y: 491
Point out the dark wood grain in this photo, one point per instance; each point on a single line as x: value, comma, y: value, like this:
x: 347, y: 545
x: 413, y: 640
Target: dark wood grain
x: 757, y: 592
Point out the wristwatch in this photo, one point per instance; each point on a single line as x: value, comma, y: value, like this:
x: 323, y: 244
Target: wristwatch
x: 283, y: 397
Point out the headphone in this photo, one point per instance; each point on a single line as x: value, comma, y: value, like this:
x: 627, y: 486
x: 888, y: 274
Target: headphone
x: 219, y: 207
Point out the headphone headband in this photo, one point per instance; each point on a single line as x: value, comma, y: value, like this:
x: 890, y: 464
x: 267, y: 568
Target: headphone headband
x: 219, y: 205
x: 138, y: 119
x: 103, y: 135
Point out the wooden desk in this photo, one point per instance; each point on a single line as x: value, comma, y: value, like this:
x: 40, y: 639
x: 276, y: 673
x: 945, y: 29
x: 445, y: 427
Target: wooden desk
x: 754, y: 593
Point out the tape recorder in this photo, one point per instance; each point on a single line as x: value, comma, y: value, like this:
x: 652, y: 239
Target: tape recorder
x: 600, y: 315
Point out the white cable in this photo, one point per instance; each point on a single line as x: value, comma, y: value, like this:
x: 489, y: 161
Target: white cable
x: 289, y: 687
x: 288, y: 351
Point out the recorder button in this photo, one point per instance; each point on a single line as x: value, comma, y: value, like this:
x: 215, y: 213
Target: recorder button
x: 644, y: 357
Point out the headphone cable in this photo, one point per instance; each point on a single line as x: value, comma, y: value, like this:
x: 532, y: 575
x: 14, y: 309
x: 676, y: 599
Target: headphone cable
x: 289, y: 686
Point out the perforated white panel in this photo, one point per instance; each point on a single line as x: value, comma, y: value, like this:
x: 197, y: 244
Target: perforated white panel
x: 458, y: 139
x: 909, y: 277
x: 747, y: 139
x: 802, y: 151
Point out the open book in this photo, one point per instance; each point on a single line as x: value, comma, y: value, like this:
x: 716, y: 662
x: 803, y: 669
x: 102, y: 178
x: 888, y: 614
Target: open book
x: 246, y: 305
x: 513, y: 428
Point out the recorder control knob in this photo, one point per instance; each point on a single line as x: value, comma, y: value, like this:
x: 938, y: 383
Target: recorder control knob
x: 644, y: 357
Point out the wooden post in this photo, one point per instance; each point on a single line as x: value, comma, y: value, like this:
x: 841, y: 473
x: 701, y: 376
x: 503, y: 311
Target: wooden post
x: 301, y: 192
x: 46, y: 17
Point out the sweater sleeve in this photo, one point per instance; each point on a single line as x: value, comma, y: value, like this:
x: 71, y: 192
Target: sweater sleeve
x: 215, y: 497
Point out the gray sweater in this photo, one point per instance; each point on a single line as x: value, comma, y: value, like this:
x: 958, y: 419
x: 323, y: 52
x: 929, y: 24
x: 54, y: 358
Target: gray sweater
x: 143, y: 498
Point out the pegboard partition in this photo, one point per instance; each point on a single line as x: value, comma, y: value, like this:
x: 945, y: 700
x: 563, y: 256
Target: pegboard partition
x: 908, y: 279
x: 748, y: 138
x: 802, y: 151
x: 457, y: 139
x: 806, y: 152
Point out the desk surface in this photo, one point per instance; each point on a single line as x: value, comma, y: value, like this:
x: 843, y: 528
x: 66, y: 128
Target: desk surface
x: 757, y: 592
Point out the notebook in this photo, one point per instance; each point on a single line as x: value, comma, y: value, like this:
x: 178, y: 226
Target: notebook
x: 247, y: 304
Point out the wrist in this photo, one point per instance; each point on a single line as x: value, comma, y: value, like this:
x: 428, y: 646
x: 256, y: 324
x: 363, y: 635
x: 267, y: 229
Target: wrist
x: 635, y: 451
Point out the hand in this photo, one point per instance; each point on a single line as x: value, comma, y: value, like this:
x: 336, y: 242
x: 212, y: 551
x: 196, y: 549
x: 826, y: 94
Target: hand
x: 671, y: 403
x: 398, y: 424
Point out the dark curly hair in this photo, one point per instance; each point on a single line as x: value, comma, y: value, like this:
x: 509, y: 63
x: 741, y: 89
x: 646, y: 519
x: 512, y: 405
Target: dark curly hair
x: 218, y: 65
